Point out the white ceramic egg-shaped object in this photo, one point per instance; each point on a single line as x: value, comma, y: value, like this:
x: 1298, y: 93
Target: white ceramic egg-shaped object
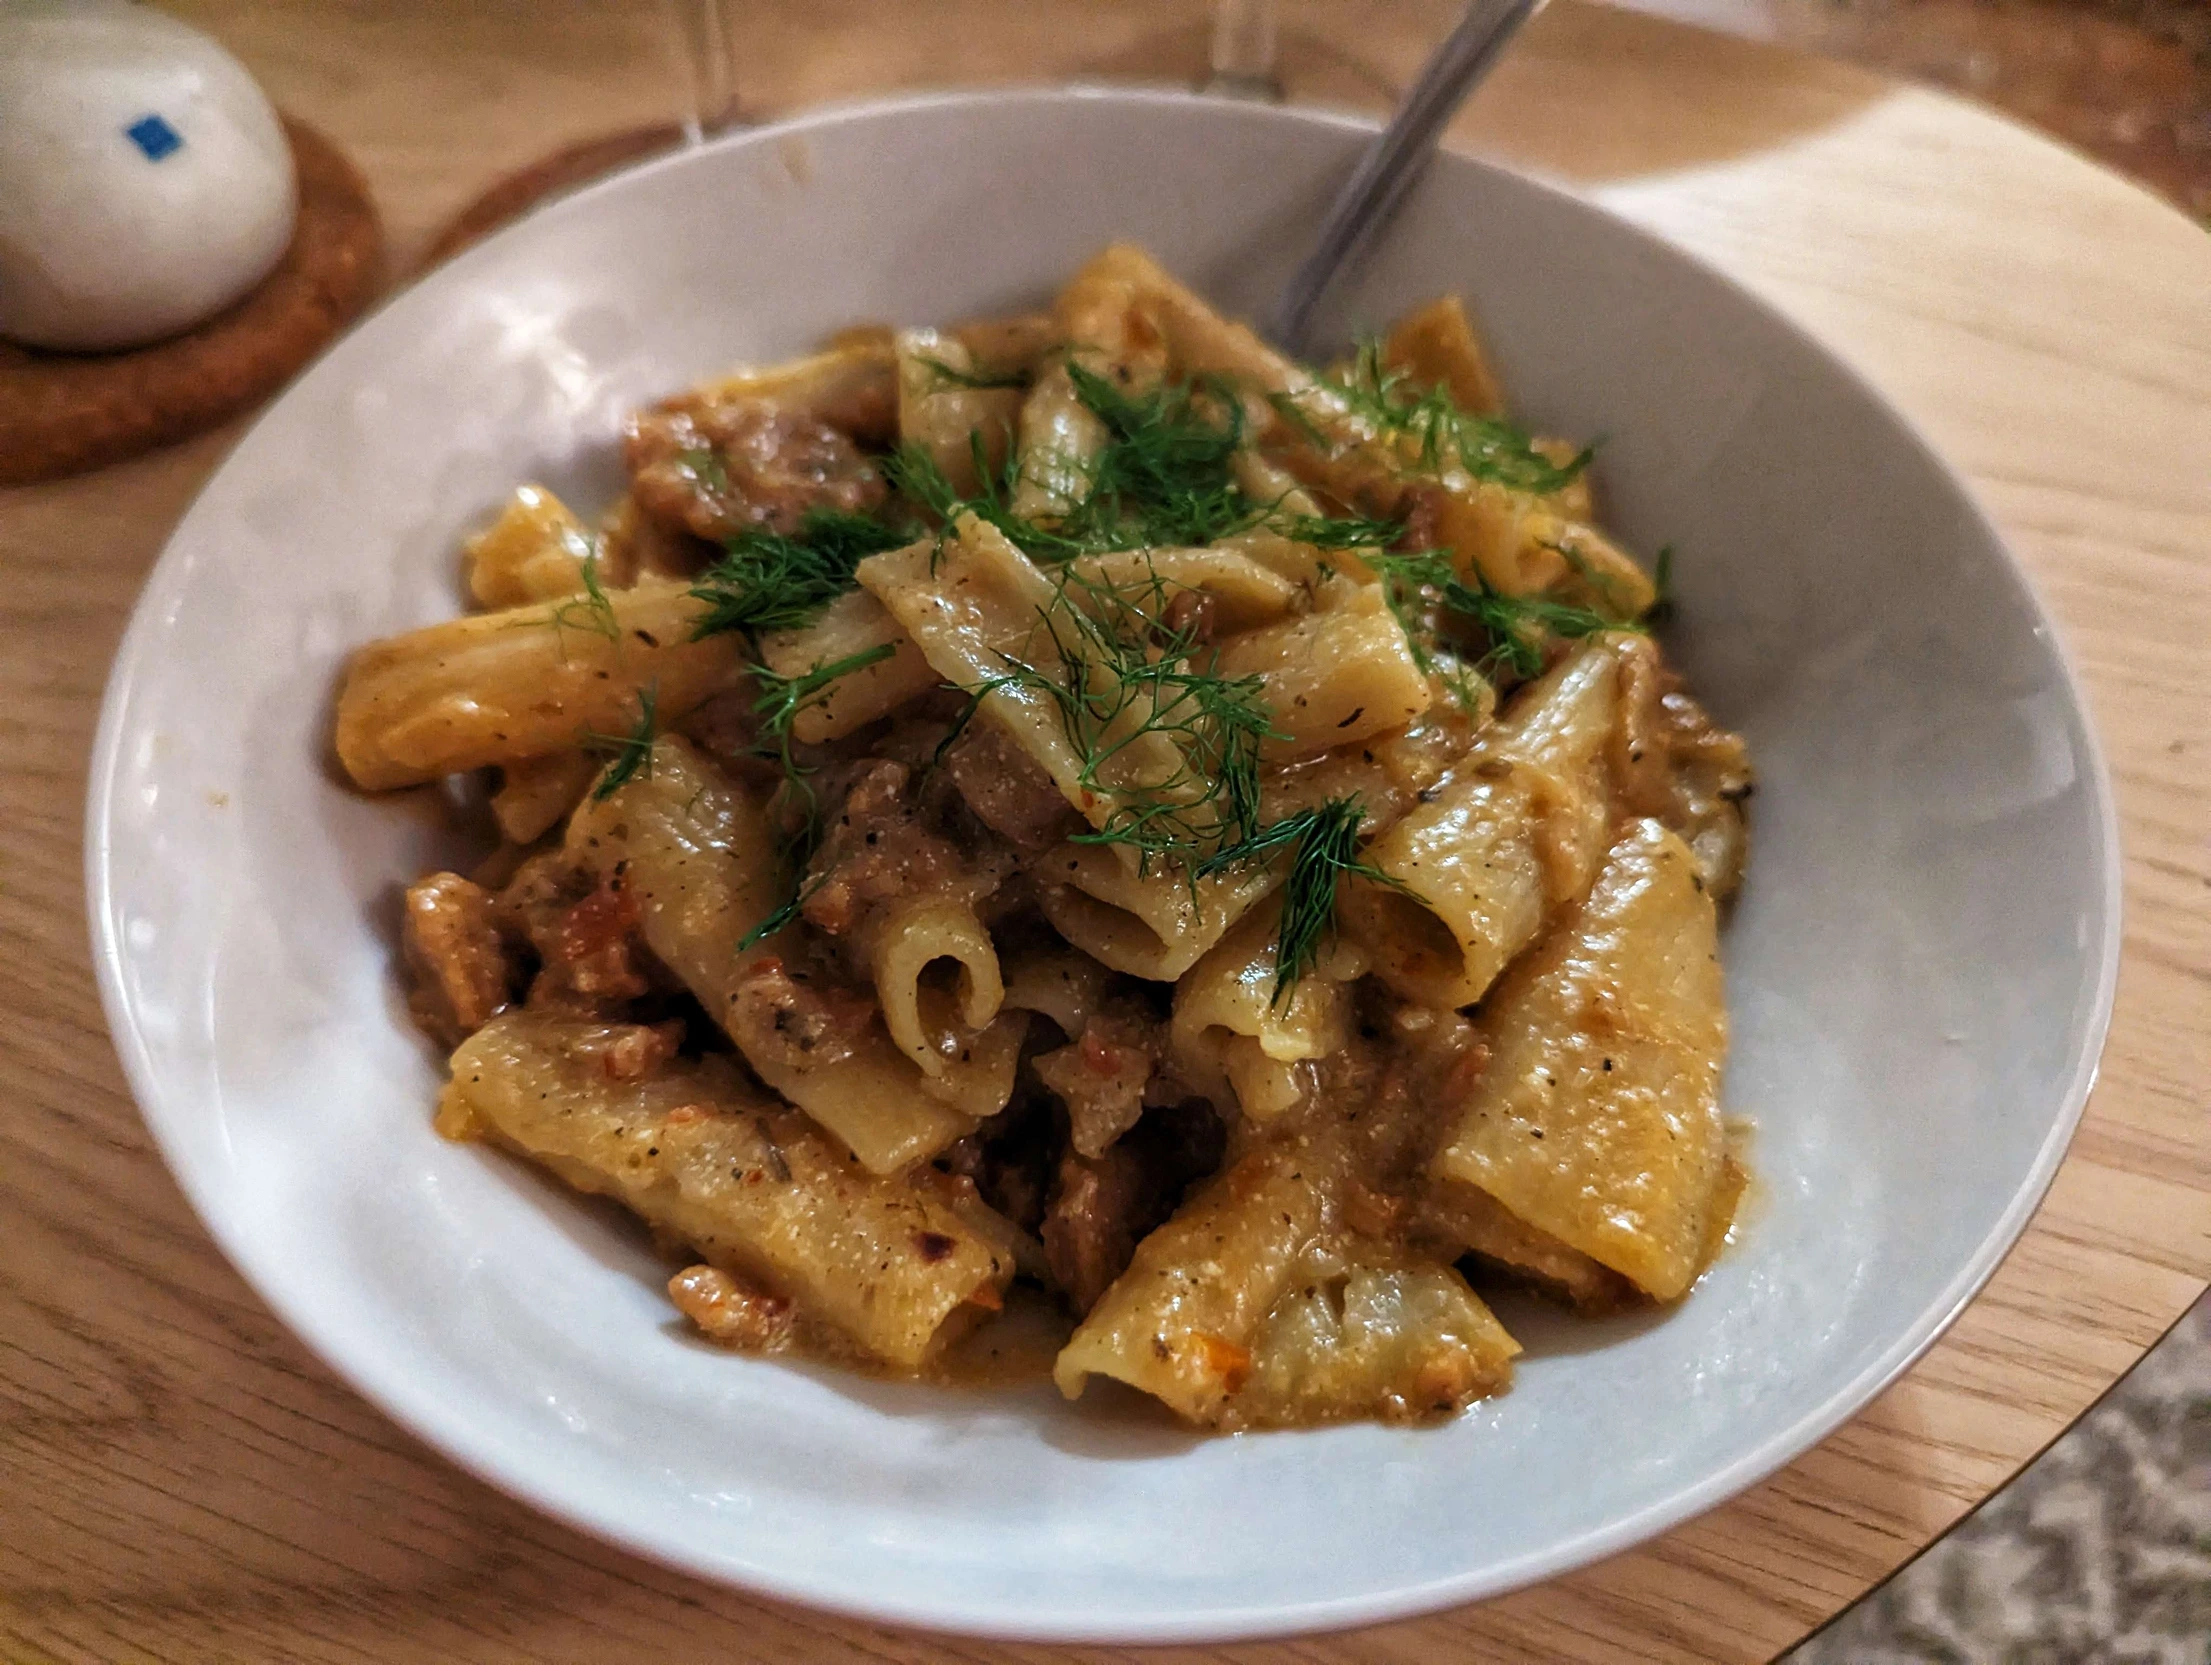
x: 145, y: 182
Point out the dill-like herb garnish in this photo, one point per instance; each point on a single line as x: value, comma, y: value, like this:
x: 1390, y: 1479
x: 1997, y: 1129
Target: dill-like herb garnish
x: 1601, y: 585
x: 1165, y: 477
x: 1662, y: 587
x: 705, y: 466
x: 786, y: 910
x: 1410, y: 589
x: 978, y: 379
x: 1286, y: 406
x: 1124, y: 674
x: 1162, y: 477
x: 590, y: 612
x: 921, y: 479
x: 1337, y: 531
x: 781, y: 699
x: 772, y: 581
x: 629, y: 756
x: 1427, y: 427
x: 1513, y: 626
x: 1325, y: 841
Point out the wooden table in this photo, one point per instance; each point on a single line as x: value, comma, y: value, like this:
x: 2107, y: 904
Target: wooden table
x: 179, y: 1480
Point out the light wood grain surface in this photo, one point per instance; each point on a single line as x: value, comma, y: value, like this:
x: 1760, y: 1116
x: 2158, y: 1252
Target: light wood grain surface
x: 180, y: 1481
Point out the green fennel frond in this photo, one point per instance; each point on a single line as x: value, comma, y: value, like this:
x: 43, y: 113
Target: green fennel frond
x: 776, y: 581
x: 1512, y: 628
x: 951, y: 376
x: 1120, y: 677
x: 1662, y: 585
x: 777, y: 708
x: 591, y: 612
x: 1429, y: 431
x: 629, y: 756
x: 1165, y: 477
x: 1324, y: 842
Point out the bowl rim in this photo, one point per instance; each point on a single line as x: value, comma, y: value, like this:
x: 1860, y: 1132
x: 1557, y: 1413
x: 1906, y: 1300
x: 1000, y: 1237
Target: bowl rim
x: 450, y: 1433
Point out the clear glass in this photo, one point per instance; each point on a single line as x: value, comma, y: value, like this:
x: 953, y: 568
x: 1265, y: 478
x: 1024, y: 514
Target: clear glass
x: 1243, y: 56
x: 705, y: 34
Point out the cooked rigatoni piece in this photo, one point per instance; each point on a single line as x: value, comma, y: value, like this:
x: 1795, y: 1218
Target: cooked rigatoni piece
x: 1180, y: 1323
x: 1061, y: 984
x: 1387, y: 773
x: 1670, y: 760
x: 1598, y: 1120
x: 1368, y: 1331
x: 950, y: 411
x: 534, y: 551
x: 1468, y: 892
x: 1556, y: 736
x: 1333, y: 677
x: 852, y: 386
x: 853, y: 627
x: 1199, y: 340
x: 1594, y: 571
x: 978, y: 608
x: 698, y: 852
x: 536, y: 793
x: 1061, y: 436
x: 747, y: 1184
x: 1233, y: 1037
x: 1399, y: 437
x: 1154, y: 923
x: 938, y: 982
x: 1466, y: 1220
x: 1514, y: 831
x: 1239, y: 591
x: 1435, y: 345
x: 1011, y: 346
x: 524, y: 682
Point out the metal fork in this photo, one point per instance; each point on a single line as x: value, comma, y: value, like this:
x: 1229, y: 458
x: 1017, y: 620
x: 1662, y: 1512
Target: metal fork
x: 1396, y: 158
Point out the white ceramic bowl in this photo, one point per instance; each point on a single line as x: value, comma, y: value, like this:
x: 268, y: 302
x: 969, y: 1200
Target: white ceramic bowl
x: 1921, y: 965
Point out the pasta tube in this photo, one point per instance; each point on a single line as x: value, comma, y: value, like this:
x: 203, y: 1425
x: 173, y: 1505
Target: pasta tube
x: 529, y: 681
x: 1179, y: 1324
x: 943, y: 411
x: 853, y: 624
x: 938, y: 982
x: 1230, y: 1031
x: 1436, y: 346
x: 1508, y: 834
x: 1597, y: 1120
x: 536, y: 792
x: 976, y: 606
x: 699, y: 854
x: 1333, y: 677
x: 1367, y: 1331
x: 534, y: 551
x: 750, y: 1186
x: 1153, y: 924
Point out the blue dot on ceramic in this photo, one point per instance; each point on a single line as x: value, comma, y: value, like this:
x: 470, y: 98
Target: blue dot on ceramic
x: 154, y: 136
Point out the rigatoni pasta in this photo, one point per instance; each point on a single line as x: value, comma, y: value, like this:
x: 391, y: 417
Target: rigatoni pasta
x: 1082, y: 812
x: 524, y: 682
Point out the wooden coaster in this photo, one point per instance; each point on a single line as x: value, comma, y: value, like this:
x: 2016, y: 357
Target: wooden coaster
x: 62, y: 413
x: 564, y: 170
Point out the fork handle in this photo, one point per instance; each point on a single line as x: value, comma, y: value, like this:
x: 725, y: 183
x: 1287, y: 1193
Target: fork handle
x: 1396, y: 158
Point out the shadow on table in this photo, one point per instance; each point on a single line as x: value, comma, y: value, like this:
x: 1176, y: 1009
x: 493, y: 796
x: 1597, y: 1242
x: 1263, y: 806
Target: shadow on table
x: 1676, y: 97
